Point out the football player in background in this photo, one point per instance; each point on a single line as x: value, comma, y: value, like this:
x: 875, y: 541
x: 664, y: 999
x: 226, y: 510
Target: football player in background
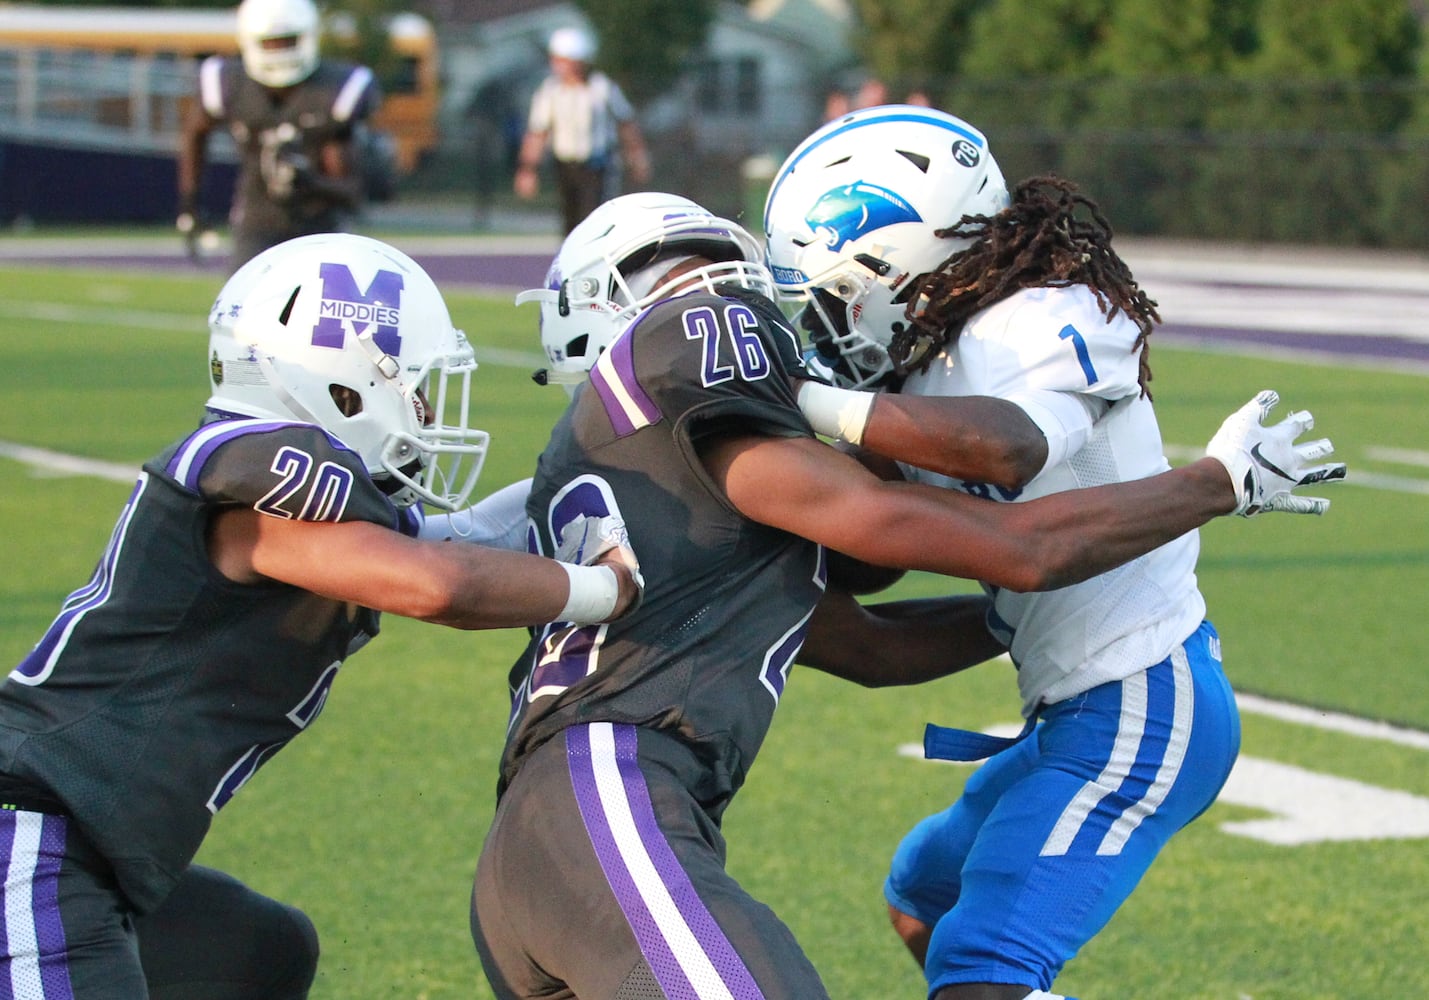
x: 255, y: 554
x: 628, y: 740
x: 919, y: 273
x: 296, y: 120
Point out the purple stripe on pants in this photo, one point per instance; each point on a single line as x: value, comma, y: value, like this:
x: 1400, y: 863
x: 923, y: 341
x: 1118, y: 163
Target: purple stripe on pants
x: 650, y: 842
x: 41, y: 873
x: 49, y: 929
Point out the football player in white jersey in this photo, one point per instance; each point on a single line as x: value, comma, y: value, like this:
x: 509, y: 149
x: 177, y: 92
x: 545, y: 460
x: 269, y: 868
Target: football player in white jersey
x: 919, y: 272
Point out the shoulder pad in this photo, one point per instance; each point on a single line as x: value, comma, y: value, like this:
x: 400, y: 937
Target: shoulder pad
x: 280, y: 468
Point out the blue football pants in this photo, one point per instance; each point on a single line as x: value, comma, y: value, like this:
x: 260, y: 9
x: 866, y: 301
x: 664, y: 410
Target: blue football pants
x: 1051, y: 835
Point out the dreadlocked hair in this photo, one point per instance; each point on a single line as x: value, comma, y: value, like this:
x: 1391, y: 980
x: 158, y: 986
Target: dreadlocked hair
x: 1051, y: 236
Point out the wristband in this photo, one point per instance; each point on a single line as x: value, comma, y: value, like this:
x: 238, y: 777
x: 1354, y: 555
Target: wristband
x: 835, y: 413
x: 595, y: 591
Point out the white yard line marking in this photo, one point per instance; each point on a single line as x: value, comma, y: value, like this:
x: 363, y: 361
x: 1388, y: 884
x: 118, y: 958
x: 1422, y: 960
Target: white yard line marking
x: 1339, y: 722
x: 56, y: 312
x: 60, y: 312
x: 1356, y: 477
x: 1309, y: 807
x: 1399, y: 456
x: 44, y: 462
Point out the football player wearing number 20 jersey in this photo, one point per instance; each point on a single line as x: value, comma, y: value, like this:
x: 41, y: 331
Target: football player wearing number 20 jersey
x: 253, y: 556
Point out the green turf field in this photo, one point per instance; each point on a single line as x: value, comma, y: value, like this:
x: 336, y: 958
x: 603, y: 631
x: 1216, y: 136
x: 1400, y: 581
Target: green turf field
x: 373, y: 820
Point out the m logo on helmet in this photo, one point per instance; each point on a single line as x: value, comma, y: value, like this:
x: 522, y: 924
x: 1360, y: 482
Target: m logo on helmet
x: 344, y: 305
x: 848, y: 213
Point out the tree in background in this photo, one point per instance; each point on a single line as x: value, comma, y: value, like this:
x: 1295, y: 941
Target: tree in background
x: 646, y: 44
x: 1329, y: 89
x: 908, y: 42
x: 1245, y: 119
x: 367, y: 43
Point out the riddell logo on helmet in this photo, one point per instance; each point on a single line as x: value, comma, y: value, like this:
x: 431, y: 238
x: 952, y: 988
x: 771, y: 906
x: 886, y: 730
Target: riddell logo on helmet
x: 345, y: 306
x: 849, y: 213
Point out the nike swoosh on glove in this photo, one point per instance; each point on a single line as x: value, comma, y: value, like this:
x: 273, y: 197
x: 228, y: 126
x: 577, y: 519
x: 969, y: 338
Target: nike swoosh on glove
x: 1265, y: 463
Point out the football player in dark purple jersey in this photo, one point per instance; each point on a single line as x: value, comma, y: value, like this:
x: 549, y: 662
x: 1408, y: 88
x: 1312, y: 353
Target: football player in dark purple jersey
x: 693, y: 419
x: 295, y: 119
x: 254, y: 555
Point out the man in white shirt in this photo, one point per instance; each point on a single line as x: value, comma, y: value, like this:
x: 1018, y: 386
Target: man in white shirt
x: 589, y: 125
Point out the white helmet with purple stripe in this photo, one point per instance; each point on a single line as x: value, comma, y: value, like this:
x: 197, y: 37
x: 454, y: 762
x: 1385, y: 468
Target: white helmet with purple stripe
x: 851, y: 222
x: 610, y: 268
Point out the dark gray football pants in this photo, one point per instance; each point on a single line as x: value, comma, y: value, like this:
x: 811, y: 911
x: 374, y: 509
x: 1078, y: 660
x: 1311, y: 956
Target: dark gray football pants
x: 603, y: 878
x: 70, y: 935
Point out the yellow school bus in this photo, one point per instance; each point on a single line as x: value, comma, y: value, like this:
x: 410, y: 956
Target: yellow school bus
x: 133, y: 67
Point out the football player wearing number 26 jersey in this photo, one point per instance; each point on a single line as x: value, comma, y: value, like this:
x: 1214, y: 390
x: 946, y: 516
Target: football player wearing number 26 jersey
x: 692, y: 421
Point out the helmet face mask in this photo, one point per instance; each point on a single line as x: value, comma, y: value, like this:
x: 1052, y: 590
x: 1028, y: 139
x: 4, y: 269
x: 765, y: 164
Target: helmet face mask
x: 618, y: 262
x: 348, y: 333
x: 854, y: 211
x: 278, y: 40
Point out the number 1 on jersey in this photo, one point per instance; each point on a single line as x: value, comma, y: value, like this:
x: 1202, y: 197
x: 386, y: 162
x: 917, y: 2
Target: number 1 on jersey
x: 1069, y: 332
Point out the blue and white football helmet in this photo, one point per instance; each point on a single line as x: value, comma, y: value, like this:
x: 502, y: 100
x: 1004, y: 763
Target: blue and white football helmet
x: 850, y: 221
x: 348, y: 333
x: 606, y: 270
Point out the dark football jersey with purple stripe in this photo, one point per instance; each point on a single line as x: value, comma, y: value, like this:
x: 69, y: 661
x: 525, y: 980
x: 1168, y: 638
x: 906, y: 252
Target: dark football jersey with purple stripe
x: 162, y: 686
x: 727, y: 600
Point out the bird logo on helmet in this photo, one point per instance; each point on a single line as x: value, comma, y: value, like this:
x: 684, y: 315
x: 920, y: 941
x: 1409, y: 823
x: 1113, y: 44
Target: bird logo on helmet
x: 859, y: 211
x: 852, y: 211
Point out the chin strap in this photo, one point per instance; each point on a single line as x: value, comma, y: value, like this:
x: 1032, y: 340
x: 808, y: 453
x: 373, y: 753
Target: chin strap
x: 265, y: 365
x: 386, y: 364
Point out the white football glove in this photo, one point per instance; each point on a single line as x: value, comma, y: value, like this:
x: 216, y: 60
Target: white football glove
x: 1266, y: 464
x: 587, y: 541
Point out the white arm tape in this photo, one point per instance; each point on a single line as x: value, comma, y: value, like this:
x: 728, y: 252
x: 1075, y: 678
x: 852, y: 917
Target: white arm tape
x: 595, y: 590
x: 1065, y: 419
x: 835, y: 413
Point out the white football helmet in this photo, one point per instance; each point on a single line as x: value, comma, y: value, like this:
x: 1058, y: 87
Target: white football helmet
x: 605, y: 273
x: 351, y: 334
x: 850, y: 220
x: 278, y: 40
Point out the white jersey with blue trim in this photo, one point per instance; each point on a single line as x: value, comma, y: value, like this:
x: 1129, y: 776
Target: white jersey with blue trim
x: 1048, y: 349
